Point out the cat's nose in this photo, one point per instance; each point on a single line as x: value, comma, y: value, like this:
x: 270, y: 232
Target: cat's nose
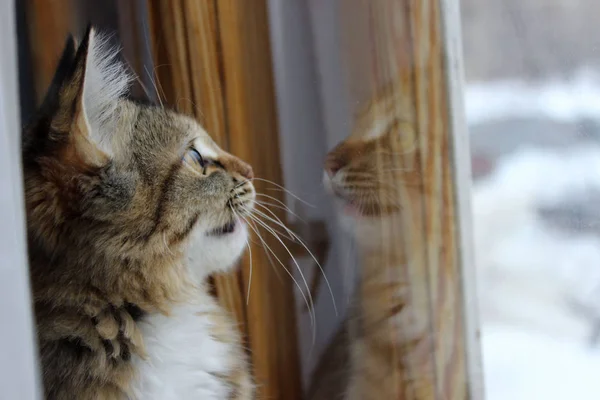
x: 247, y: 172
x: 333, y: 165
x: 237, y: 166
x: 244, y: 169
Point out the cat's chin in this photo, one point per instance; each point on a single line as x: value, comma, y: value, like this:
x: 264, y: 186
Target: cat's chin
x: 217, y: 249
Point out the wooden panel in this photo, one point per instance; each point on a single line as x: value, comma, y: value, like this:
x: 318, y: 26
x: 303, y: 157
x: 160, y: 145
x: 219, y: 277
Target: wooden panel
x: 213, y: 61
x: 49, y: 21
x: 187, y: 78
x: 131, y: 24
x: 400, y: 43
x: 171, y: 59
x: 250, y: 104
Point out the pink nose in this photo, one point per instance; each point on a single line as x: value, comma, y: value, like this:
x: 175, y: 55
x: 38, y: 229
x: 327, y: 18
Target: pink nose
x: 248, y: 173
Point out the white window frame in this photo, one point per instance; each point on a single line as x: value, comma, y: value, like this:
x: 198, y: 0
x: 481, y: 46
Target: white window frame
x: 19, y: 378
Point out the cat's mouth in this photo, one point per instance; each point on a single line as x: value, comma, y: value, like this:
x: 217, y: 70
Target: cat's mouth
x: 224, y: 230
x: 343, y: 196
x: 354, y: 207
x: 350, y: 206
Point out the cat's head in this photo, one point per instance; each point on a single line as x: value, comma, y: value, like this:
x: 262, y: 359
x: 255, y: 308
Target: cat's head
x: 366, y: 172
x: 124, y: 178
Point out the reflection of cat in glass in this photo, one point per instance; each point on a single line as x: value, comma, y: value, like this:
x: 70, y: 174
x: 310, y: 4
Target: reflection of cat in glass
x: 114, y: 188
x: 376, y: 354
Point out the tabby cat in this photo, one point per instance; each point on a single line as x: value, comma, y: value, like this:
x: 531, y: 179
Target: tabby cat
x: 377, y: 351
x: 114, y: 189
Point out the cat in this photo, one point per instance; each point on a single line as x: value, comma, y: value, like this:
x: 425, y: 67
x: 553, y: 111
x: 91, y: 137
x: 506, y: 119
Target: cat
x: 114, y: 188
x: 384, y: 336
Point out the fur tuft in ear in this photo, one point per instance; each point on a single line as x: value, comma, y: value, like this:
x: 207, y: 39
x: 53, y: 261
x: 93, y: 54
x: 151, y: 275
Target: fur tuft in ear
x: 80, y: 112
x: 106, y: 80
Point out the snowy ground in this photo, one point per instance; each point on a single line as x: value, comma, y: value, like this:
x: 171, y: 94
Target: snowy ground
x: 561, y: 100
x: 538, y: 277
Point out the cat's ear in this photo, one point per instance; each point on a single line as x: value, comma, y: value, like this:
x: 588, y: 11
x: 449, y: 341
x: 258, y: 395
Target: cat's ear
x: 88, y: 98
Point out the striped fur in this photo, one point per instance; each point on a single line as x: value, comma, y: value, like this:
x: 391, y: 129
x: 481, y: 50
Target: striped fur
x: 114, y: 189
x: 385, y: 337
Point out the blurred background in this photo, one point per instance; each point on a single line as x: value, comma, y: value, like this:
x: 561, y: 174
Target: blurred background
x: 532, y: 103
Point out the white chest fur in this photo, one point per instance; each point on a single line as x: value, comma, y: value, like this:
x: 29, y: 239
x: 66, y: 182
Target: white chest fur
x: 185, y: 358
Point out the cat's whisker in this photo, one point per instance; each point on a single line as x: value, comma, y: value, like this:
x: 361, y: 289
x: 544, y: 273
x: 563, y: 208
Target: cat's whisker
x: 148, y: 46
x: 284, y: 234
x: 399, y: 169
x: 282, y: 206
x: 250, y: 256
x: 281, y: 188
x: 373, y: 182
x: 250, y: 272
x: 270, y: 230
x: 303, y: 244
x: 197, y: 111
x: 309, y: 303
x: 352, y: 174
x: 269, y: 258
x: 285, y: 207
x: 157, y: 80
x: 155, y: 87
x: 274, y: 233
x: 270, y: 252
x: 264, y: 205
x: 399, y: 153
x: 277, y: 222
x: 139, y: 80
x: 376, y: 195
x: 242, y: 183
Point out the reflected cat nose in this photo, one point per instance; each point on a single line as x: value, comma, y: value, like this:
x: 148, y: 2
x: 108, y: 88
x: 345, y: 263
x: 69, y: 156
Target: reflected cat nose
x: 333, y: 165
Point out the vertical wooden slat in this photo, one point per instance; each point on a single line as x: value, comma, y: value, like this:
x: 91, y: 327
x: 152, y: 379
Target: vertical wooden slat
x: 250, y: 103
x: 405, y: 44
x: 204, y: 48
x: 131, y: 28
x: 212, y: 60
x: 185, y: 41
x: 171, y: 65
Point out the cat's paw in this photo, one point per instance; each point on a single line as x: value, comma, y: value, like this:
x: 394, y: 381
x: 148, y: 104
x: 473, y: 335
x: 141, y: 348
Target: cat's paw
x: 119, y: 333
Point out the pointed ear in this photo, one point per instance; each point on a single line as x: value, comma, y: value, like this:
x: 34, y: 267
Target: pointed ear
x: 36, y: 132
x: 89, y: 98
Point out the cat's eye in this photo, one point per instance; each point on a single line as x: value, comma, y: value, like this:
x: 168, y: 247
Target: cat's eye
x: 193, y: 156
